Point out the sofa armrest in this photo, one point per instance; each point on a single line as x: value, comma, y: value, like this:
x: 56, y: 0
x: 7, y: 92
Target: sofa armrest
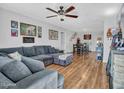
x: 45, y: 79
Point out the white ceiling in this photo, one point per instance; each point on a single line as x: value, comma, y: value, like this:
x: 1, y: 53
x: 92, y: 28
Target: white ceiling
x: 91, y: 15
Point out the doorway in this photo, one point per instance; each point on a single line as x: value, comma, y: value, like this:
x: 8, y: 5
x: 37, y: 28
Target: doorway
x: 62, y: 41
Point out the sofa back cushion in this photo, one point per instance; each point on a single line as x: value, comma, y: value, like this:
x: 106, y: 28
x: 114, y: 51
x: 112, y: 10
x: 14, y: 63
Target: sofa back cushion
x: 16, y: 71
x: 4, y: 61
x: 46, y: 49
x: 50, y: 50
x: 3, y: 54
x: 40, y: 50
x: 12, y: 50
x: 56, y: 50
x: 53, y: 50
x: 33, y: 65
x: 29, y: 51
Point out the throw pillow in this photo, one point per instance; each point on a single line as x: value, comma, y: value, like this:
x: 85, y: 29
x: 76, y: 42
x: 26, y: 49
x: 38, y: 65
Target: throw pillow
x: 16, y: 71
x: 16, y: 56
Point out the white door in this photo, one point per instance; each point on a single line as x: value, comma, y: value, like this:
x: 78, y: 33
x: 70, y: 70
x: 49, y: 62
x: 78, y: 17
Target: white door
x: 62, y: 41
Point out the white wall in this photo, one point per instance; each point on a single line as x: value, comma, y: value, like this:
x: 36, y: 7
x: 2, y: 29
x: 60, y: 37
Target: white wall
x: 6, y: 40
x: 92, y: 42
x: 95, y: 35
x: 109, y: 22
x: 69, y: 43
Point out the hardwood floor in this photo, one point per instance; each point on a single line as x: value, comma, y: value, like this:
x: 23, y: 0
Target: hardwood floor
x: 84, y: 72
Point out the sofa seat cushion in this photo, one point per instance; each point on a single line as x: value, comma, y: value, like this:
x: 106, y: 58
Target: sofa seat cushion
x: 46, y: 49
x: 4, y: 61
x: 33, y: 65
x: 42, y: 57
x: 40, y: 80
x: 5, y: 82
x: 29, y: 51
x: 16, y: 71
x: 50, y: 49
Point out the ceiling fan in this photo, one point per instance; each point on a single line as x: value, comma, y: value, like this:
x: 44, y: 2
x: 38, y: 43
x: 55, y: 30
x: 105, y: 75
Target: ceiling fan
x: 62, y: 12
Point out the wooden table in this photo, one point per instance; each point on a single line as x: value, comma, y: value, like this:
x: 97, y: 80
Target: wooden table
x: 75, y: 47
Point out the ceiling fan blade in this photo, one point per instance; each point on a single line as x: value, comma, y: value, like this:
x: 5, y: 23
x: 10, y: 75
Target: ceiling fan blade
x: 52, y: 10
x: 73, y: 16
x: 51, y: 16
x: 69, y: 9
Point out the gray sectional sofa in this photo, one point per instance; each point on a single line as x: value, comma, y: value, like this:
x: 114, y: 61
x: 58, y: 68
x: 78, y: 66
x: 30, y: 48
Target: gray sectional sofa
x: 27, y: 74
x: 47, y: 54
x: 30, y: 72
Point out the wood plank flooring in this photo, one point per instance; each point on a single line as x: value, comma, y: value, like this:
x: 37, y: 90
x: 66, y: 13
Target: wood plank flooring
x: 83, y: 73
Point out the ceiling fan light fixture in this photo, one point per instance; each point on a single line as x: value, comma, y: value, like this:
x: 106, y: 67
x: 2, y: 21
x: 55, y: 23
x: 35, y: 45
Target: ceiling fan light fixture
x: 61, y: 19
x: 61, y: 16
x: 62, y: 13
x: 61, y: 7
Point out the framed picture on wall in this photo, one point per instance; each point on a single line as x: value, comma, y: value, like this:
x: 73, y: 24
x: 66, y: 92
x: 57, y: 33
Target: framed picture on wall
x: 14, y: 24
x: 28, y: 40
x: 39, y: 32
x: 14, y: 32
x: 14, y: 28
x: 53, y: 35
x: 27, y: 29
x: 87, y: 36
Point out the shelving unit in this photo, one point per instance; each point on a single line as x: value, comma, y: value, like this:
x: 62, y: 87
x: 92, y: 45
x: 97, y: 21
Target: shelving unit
x: 99, y: 51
